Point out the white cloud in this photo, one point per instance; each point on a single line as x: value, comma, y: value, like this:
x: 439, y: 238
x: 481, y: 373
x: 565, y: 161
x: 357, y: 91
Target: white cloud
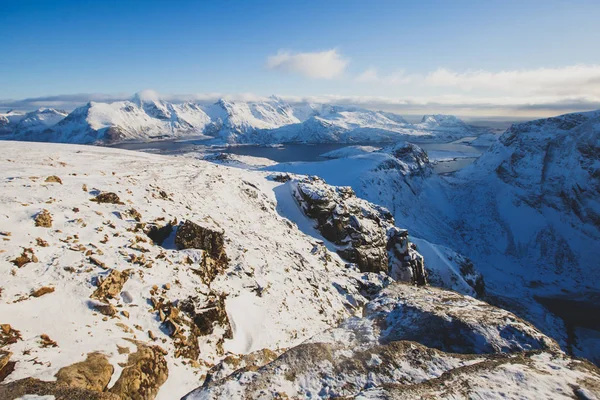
x: 570, y: 80
x: 317, y: 65
x: 371, y: 75
x: 574, y: 80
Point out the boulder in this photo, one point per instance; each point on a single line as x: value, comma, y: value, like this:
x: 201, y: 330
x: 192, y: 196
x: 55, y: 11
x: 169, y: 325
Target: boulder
x: 94, y: 373
x: 144, y: 374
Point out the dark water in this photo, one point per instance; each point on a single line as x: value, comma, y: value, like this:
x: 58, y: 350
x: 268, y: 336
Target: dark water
x: 297, y: 152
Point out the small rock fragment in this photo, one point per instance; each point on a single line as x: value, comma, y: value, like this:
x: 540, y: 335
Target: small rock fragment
x: 54, y: 178
x: 107, y: 197
x: 42, y: 291
x: 43, y: 219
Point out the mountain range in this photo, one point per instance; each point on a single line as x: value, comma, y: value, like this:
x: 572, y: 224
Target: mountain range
x: 259, y: 122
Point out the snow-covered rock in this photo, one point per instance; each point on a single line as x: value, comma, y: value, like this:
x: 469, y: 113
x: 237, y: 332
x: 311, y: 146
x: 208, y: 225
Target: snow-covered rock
x: 407, y: 340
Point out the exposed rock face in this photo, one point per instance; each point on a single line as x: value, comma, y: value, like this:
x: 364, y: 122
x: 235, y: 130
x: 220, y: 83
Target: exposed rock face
x: 144, y: 374
x: 94, y: 373
x: 395, y: 345
x: 111, y: 286
x: 365, y: 232
x: 193, y: 236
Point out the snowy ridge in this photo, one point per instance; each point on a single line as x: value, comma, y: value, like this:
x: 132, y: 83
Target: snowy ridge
x: 146, y: 117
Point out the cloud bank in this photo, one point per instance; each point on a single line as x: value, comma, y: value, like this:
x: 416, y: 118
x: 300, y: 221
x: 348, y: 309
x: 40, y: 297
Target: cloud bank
x: 327, y: 64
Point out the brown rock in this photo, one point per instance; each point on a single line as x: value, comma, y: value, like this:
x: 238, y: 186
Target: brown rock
x: 28, y: 386
x: 42, y: 291
x: 41, y: 242
x: 26, y: 257
x: 54, y: 178
x: 144, y: 374
x: 46, y: 341
x: 193, y: 236
x: 8, y: 335
x: 43, y: 219
x: 111, y: 286
x: 107, y: 197
x: 106, y: 309
x: 94, y: 373
x: 135, y: 214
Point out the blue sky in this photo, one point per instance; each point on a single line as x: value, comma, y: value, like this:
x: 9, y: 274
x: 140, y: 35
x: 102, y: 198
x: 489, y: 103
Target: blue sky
x: 469, y: 54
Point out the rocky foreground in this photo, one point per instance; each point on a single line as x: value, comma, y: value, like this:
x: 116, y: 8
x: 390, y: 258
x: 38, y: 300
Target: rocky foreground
x: 135, y: 276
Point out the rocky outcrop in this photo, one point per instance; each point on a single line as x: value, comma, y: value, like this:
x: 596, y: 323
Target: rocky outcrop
x: 94, y: 373
x: 193, y: 236
x: 364, y: 233
x: 208, y: 315
x: 407, y: 336
x: 110, y: 287
x: 144, y: 374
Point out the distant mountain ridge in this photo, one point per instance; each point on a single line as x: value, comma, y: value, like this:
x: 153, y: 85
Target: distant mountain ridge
x: 261, y: 122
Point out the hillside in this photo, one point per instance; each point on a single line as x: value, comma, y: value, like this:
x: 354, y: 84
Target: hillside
x: 120, y: 266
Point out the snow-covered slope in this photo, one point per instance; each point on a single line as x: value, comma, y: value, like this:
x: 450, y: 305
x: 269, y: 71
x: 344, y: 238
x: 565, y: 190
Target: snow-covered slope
x: 120, y: 267
x: 525, y: 214
x: 146, y: 117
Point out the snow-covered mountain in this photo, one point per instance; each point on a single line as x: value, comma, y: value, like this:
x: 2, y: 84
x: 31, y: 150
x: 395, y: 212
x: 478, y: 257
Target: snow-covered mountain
x: 30, y: 124
x: 525, y: 214
x: 146, y: 117
x: 132, y: 275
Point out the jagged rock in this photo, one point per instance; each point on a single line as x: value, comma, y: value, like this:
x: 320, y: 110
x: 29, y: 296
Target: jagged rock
x: 179, y: 327
x: 364, y: 232
x: 6, y: 366
x: 31, y: 386
x: 54, y: 178
x: 405, y: 265
x: 94, y: 373
x: 208, y: 315
x: 158, y: 234
x: 43, y: 219
x: 111, y: 286
x: 8, y: 335
x: 144, y: 374
x: 26, y: 257
x: 193, y: 236
x: 107, y: 197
